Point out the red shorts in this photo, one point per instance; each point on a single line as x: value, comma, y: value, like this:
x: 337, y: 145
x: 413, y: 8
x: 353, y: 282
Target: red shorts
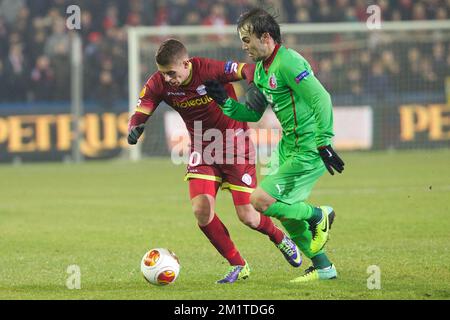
x: 239, y: 179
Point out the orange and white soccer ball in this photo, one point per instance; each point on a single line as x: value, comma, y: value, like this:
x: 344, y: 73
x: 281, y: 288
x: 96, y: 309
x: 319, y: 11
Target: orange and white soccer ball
x: 160, y: 266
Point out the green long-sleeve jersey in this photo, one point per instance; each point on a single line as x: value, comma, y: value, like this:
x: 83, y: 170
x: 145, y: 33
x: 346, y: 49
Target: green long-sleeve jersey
x: 298, y: 99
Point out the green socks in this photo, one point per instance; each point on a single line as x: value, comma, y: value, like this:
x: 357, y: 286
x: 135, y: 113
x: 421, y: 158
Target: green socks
x: 295, y: 211
x: 316, y: 217
x: 321, y: 261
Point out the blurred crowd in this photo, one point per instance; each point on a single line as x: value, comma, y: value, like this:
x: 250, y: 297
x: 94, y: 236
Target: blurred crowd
x: 35, y: 44
x: 383, y: 71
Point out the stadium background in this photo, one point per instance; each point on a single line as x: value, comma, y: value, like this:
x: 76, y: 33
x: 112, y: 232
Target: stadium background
x: 401, y: 76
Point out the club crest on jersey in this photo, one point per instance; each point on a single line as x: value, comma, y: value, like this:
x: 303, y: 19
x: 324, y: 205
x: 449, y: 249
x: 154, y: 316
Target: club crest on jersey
x: 247, y: 179
x: 301, y: 76
x: 273, y: 81
x: 201, y: 90
x: 231, y: 67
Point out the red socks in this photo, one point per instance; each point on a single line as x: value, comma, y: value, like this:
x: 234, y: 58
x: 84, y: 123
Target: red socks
x: 267, y: 227
x: 218, y: 235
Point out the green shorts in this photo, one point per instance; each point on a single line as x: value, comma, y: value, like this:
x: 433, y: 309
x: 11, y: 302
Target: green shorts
x: 291, y: 180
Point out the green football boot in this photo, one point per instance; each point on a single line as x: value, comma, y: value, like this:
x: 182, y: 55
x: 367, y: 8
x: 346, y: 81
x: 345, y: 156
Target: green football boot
x: 320, y: 231
x: 312, y: 274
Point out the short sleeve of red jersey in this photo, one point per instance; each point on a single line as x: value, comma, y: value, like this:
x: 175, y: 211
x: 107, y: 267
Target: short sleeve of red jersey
x: 228, y: 71
x: 150, y: 96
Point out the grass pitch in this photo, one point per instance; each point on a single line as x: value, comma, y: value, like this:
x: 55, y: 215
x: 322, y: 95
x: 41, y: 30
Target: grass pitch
x: 393, y: 211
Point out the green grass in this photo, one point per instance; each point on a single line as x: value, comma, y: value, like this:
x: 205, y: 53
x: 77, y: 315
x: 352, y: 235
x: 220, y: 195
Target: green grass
x: 393, y: 211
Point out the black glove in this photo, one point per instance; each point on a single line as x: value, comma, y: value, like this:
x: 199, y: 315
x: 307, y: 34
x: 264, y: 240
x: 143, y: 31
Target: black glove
x: 331, y: 159
x: 135, y: 133
x: 255, y: 99
x: 216, y: 91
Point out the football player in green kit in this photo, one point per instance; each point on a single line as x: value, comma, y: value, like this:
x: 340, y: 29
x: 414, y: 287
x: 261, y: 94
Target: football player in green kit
x: 284, y: 80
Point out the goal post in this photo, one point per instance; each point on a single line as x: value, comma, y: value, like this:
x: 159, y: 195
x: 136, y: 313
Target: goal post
x: 133, y: 83
x: 345, y: 46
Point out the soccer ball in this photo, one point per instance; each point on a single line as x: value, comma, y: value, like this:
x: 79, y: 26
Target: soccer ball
x: 160, y: 266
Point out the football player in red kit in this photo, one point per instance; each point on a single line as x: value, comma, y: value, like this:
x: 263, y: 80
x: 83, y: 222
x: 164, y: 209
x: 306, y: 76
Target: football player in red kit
x: 179, y: 82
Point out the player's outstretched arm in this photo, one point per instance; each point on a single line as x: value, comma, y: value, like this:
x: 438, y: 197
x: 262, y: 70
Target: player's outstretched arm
x: 136, y: 127
x: 251, y: 111
x: 149, y: 99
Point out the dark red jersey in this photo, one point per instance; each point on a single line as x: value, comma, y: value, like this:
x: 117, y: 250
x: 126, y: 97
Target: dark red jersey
x: 191, y: 101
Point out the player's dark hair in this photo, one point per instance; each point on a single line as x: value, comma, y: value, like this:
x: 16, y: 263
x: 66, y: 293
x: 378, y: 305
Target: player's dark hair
x: 259, y: 21
x: 169, y: 51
